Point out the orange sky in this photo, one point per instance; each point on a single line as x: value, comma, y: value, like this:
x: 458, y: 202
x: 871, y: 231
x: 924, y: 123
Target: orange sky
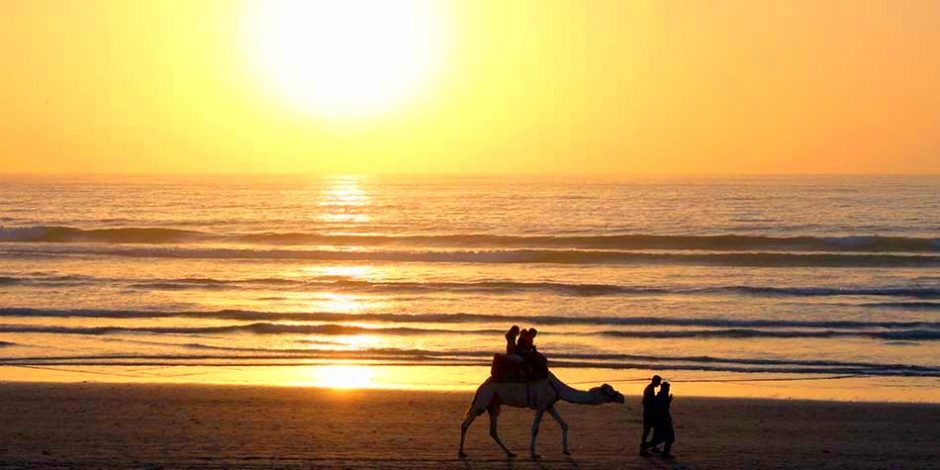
x: 526, y: 86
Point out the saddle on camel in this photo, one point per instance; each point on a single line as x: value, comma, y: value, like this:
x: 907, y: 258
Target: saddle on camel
x: 522, y: 362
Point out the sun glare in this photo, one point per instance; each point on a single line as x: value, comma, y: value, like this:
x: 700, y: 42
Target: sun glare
x: 344, y: 377
x: 344, y: 59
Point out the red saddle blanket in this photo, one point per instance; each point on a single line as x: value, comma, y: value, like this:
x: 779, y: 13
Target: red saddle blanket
x: 506, y: 369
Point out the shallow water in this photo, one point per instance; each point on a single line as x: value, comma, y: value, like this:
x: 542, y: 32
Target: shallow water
x: 726, y: 278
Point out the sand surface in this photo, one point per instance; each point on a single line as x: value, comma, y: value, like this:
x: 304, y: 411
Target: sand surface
x: 179, y: 426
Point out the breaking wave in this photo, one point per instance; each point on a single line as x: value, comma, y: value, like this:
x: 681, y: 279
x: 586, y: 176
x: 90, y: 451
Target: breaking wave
x: 911, y: 335
x: 483, y: 287
x: 922, y: 332
x: 906, y: 305
x: 460, y: 318
x: 47, y: 234
x: 212, y: 355
x: 55, y: 234
x: 558, y: 288
x: 754, y: 259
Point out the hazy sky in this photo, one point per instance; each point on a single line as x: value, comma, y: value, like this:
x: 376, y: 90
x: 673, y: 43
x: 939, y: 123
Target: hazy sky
x: 517, y: 86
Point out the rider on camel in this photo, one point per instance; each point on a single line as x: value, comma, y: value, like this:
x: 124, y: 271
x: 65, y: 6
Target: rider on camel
x: 528, y: 363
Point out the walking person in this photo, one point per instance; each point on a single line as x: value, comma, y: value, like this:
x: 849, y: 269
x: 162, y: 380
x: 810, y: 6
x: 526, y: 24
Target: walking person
x: 649, y: 396
x: 663, y: 432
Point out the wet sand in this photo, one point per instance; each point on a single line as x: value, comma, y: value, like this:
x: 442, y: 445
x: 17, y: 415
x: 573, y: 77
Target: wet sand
x: 180, y: 426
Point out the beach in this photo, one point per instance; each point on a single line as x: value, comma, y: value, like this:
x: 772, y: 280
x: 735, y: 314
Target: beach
x: 181, y: 426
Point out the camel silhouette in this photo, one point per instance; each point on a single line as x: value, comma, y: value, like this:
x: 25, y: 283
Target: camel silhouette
x: 539, y: 395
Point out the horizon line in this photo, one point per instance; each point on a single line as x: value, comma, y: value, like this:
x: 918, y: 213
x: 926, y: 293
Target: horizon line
x: 449, y: 174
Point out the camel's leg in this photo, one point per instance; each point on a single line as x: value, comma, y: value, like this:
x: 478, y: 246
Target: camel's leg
x: 494, y: 418
x: 481, y: 400
x: 463, y: 432
x: 564, y: 429
x: 535, y: 433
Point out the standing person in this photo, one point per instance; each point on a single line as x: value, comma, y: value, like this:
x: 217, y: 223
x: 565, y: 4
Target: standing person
x: 663, y: 431
x: 649, y: 396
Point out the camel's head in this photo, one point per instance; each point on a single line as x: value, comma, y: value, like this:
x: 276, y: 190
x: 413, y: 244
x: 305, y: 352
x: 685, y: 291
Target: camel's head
x: 609, y: 394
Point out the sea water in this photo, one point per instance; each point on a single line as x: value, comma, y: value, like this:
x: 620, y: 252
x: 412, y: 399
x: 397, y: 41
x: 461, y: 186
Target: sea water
x: 807, y: 286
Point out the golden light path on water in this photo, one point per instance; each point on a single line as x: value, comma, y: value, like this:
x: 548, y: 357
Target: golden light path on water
x: 344, y: 201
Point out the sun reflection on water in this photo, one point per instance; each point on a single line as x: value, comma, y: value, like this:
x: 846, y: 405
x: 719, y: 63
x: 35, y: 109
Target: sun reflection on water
x: 345, y: 191
x: 344, y: 203
x: 357, y: 342
x: 345, y: 217
x: 352, y: 271
x: 342, y: 303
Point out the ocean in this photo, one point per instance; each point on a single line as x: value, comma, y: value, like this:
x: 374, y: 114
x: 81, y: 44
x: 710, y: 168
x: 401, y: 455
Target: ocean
x: 793, y: 286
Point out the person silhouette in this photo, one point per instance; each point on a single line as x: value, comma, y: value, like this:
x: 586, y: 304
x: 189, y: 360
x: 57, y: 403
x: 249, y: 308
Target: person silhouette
x: 511, y: 339
x: 526, y: 342
x: 522, y: 360
x: 663, y: 432
x: 649, y: 396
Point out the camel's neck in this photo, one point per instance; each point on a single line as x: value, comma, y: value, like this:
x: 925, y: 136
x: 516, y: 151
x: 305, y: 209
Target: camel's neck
x: 573, y: 395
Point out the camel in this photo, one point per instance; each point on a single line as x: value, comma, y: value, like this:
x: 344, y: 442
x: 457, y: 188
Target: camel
x: 540, y: 395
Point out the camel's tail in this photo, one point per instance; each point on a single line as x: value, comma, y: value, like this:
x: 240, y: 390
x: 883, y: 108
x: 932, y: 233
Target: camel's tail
x: 476, y: 396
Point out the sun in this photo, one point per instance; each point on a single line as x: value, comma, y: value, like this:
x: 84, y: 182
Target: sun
x: 348, y: 58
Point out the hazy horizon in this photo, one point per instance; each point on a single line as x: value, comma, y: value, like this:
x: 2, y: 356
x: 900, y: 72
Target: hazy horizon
x: 572, y: 175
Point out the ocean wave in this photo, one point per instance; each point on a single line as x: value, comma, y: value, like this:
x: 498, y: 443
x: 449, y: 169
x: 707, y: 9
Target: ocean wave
x: 459, y: 318
x: 297, y: 357
x: 749, y: 333
x: 346, y: 285
x: 43, y: 280
x: 47, y: 234
x: 557, y: 288
x: 593, y: 356
x: 906, y: 305
x: 294, y: 362
x: 260, y: 328
x: 918, y: 292
x: 732, y: 242
x: 266, y: 328
x: 341, y: 284
x: 741, y: 259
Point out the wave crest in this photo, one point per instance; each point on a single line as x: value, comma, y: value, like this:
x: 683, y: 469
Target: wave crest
x: 729, y: 242
x: 461, y: 318
x: 222, y: 355
x: 741, y: 259
x: 928, y: 332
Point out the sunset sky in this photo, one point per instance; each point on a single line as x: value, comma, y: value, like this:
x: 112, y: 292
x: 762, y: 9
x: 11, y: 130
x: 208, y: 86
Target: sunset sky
x: 523, y: 86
